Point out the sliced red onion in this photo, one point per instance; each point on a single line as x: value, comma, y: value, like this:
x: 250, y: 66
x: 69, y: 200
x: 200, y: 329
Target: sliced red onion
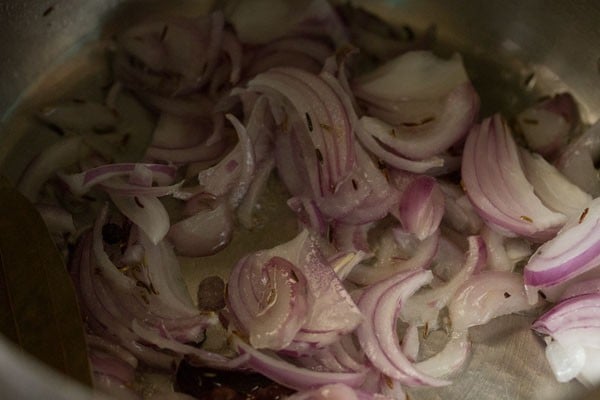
x: 419, y: 130
x: 573, y: 251
x: 290, y: 375
x: 316, y: 102
x: 313, y: 308
x: 308, y: 214
x: 233, y: 48
x: 573, y: 327
x: 382, y: 196
x: 177, y: 132
x: 504, y: 253
x: 414, y: 75
x: 419, y: 258
x: 377, y: 335
x: 204, y: 233
x: 54, y: 158
x: 305, y: 53
x: 450, y: 359
x: 80, y: 116
x: 577, y: 160
x: 245, y: 211
x: 82, y: 182
x: 348, y: 237
x: 410, y: 343
x: 460, y: 213
x: 170, y: 57
x: 421, y: 207
x: 496, y: 185
x: 485, y: 296
x: 147, y: 212
x: 547, y: 125
x: 232, y: 175
x: 552, y: 187
x: 201, y: 152
x: 423, y: 308
x: 268, y: 301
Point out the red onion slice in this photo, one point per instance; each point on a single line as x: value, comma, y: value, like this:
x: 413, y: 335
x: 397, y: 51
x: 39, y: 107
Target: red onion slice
x: 573, y: 251
x: 290, y: 375
x: 547, y: 125
x: 421, y: 207
x: 54, y: 158
x: 502, y: 195
x: 410, y: 137
x: 423, y: 308
x: 450, y: 359
x: 414, y: 75
x: 325, y: 118
x: 233, y: 174
x: 552, y: 187
x: 204, y: 233
x: 485, y: 296
x: 391, y: 265
x: 82, y: 182
x: 147, y: 212
x: 574, y: 330
x: 377, y: 335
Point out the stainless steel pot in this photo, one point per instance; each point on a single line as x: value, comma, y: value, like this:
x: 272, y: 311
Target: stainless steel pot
x: 514, y: 50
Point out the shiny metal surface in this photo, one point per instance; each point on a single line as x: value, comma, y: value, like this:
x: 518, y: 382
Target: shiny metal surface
x: 503, y: 42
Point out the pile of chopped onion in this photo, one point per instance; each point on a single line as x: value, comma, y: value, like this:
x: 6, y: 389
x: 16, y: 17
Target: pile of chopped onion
x: 388, y: 236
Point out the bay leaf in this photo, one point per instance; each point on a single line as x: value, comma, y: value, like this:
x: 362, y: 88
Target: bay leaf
x: 38, y: 305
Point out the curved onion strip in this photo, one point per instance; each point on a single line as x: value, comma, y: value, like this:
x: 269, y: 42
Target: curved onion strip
x: 198, y: 355
x: 268, y: 301
x: 301, y: 52
x: 204, y: 233
x: 450, y: 359
x: 390, y: 157
x: 410, y: 343
x: 413, y: 75
x: 504, y: 253
x: 502, y: 196
x: 547, y: 125
x: 423, y: 308
x: 249, y: 203
x: 421, y: 207
x: 552, y: 187
x: 82, y: 182
x: 574, y: 328
x: 485, y: 296
x: 577, y: 160
x: 420, y: 140
x: 421, y: 259
x: 290, y: 375
x: 54, y: 158
x: 325, y: 116
x: 147, y: 212
x: 232, y: 175
x: 573, y: 251
x: 459, y: 212
x: 377, y: 334
x: 233, y: 48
